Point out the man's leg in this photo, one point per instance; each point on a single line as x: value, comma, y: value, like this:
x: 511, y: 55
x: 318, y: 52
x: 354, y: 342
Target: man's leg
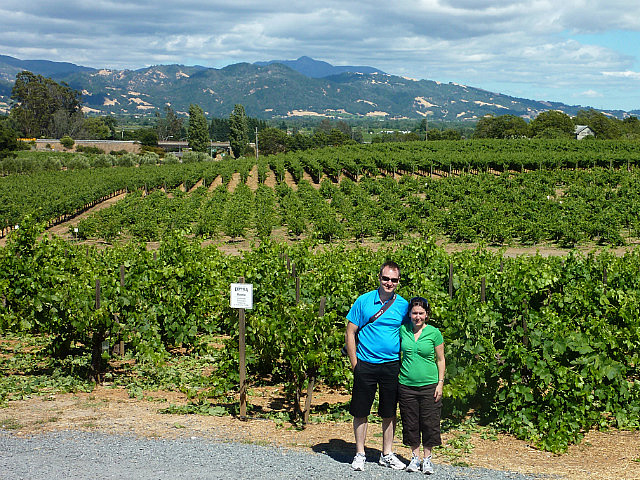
x: 388, y: 428
x: 362, y: 396
x: 360, y: 432
x: 388, y: 381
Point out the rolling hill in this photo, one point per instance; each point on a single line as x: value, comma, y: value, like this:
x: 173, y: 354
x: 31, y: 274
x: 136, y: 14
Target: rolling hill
x: 304, y: 87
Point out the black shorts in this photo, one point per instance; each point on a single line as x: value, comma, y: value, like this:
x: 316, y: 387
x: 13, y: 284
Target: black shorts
x: 366, y: 379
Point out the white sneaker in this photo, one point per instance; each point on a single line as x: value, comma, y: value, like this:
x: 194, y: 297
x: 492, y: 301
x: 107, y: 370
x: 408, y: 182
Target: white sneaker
x: 358, y: 462
x: 427, y: 466
x: 391, y: 461
x: 414, y: 464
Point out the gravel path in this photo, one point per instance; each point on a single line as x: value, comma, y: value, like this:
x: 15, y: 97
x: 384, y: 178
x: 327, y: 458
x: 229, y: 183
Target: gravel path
x: 80, y: 455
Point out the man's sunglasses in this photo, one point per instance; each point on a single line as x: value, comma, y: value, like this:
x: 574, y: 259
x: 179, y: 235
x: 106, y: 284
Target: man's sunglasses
x: 384, y: 278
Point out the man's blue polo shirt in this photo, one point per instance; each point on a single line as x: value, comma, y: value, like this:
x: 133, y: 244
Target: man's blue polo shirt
x: 379, y: 341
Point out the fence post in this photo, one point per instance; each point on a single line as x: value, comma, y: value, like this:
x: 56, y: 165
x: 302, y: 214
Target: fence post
x: 121, y: 343
x: 525, y: 328
x: 483, y: 286
x: 312, y: 379
x: 450, y: 280
x: 97, y: 341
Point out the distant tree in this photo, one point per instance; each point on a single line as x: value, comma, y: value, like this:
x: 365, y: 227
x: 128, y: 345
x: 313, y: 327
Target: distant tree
x: 603, y: 126
x: 111, y: 122
x: 631, y: 127
x: 298, y: 141
x: 169, y: 126
x: 434, y: 134
x: 94, y: 128
x: 447, y: 134
x: 147, y: 137
x: 337, y: 137
x: 198, y: 132
x: 345, y: 128
x: 320, y: 139
x: 283, y: 126
x: 324, y: 126
x: 252, y: 124
x: 421, y: 129
x: 503, y: 126
x: 272, y: 141
x: 8, y: 141
x: 41, y: 103
x: 63, y: 123
x: 239, y: 131
x: 552, y: 120
x: 552, y: 132
x: 219, y: 129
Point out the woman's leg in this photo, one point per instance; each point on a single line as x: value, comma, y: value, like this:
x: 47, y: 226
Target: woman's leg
x: 410, y: 415
x: 430, y: 412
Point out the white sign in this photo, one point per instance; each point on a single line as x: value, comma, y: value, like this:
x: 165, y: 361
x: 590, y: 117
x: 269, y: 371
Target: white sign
x: 242, y: 295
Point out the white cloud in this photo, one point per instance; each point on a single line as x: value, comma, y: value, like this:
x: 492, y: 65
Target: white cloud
x: 522, y: 47
x: 590, y: 94
x: 627, y: 74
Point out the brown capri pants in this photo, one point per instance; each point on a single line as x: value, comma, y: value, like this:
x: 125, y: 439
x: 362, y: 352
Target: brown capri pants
x: 420, y: 414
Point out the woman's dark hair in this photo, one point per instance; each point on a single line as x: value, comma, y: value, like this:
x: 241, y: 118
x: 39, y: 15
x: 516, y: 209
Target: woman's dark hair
x: 422, y: 302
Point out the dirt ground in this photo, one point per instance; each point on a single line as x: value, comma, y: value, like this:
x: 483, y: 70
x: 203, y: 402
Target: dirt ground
x: 603, y: 455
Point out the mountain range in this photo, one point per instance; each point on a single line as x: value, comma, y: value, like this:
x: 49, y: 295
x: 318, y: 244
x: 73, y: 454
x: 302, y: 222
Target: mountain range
x: 276, y: 89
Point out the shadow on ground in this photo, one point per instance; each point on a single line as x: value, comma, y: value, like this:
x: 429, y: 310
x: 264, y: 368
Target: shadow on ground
x: 343, y: 452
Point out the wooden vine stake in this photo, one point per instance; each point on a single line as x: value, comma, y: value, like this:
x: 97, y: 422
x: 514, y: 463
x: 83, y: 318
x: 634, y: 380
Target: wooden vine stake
x: 312, y: 379
x: 96, y: 344
x: 121, y: 343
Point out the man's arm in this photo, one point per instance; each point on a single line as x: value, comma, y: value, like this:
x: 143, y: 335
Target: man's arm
x: 350, y: 342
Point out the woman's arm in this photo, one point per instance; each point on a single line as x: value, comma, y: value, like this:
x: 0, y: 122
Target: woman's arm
x: 441, y: 368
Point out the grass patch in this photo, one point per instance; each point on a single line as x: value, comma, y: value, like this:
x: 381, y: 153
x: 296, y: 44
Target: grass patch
x: 460, y: 442
x: 10, y: 424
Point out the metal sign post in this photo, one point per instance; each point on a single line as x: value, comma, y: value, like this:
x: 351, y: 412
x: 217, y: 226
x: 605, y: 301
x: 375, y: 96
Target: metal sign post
x: 242, y: 298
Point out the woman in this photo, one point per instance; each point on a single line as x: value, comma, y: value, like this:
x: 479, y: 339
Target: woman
x: 421, y: 379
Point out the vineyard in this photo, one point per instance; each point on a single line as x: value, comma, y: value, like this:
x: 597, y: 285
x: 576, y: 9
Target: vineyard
x: 544, y: 348
x: 495, y: 192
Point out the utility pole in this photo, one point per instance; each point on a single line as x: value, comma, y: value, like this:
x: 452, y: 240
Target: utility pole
x: 256, y: 143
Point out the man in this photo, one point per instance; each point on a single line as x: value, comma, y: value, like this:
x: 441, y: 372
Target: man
x: 376, y: 317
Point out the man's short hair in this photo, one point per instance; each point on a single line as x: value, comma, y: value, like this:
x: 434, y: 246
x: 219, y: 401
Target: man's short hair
x: 391, y: 264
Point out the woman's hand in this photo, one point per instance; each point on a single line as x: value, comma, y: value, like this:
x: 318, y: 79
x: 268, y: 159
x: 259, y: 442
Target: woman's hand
x: 438, y: 393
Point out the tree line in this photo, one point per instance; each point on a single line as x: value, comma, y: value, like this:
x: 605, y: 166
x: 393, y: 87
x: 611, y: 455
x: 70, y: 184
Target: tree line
x: 556, y: 124
x: 43, y: 108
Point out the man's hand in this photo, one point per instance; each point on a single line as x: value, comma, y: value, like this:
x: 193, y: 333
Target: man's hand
x: 350, y: 341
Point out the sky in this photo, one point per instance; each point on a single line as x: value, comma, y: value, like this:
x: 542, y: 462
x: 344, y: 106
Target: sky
x: 578, y: 52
